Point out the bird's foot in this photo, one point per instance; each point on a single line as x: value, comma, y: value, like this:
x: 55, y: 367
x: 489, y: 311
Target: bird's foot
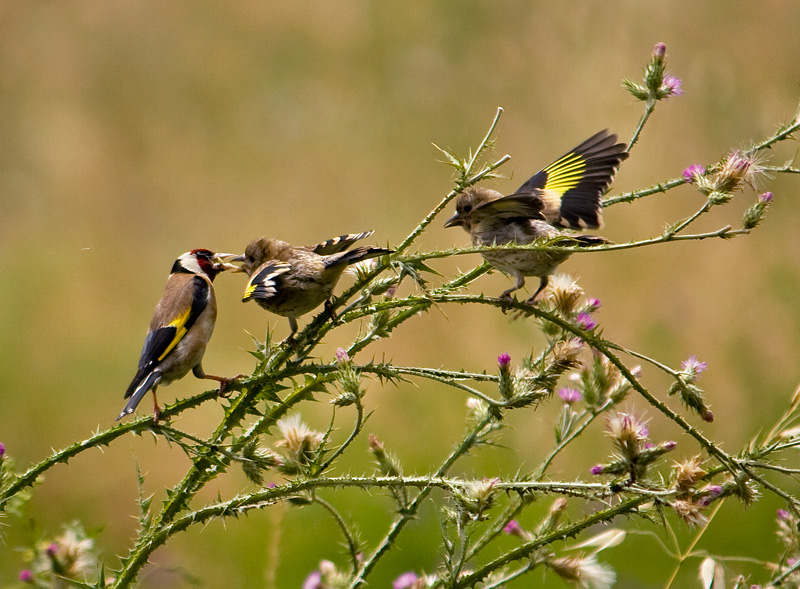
x: 507, y: 300
x: 225, y: 383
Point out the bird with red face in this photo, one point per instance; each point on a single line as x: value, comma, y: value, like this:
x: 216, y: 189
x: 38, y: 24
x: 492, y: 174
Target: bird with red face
x: 180, y: 329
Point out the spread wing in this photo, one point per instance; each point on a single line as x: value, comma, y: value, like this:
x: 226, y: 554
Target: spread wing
x: 185, y: 298
x: 514, y: 206
x: 338, y: 244
x: 262, y: 283
x: 571, y: 186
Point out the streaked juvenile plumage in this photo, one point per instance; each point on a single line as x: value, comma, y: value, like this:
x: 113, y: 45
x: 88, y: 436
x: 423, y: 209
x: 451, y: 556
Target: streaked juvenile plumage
x: 290, y: 281
x: 564, y: 194
x: 180, y: 329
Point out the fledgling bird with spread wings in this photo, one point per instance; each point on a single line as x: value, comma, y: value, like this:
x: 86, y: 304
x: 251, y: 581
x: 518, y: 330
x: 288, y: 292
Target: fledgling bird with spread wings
x: 564, y: 194
x: 180, y: 329
x: 292, y: 280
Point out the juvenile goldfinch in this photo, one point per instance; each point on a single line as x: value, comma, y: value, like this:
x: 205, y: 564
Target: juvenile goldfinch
x: 564, y: 194
x: 180, y: 329
x: 291, y: 281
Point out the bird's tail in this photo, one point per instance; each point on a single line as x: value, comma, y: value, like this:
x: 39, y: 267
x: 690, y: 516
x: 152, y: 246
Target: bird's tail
x: 136, y: 392
x: 356, y: 255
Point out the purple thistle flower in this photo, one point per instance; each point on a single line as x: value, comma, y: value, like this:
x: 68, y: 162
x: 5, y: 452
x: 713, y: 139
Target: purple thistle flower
x: 660, y: 50
x: 26, y: 576
x: 503, y: 360
x: 405, y: 581
x: 585, y: 321
x: 765, y: 198
x: 341, y: 356
x: 2, y: 449
x: 715, y: 490
x: 52, y: 549
x: 648, y: 445
x: 672, y: 86
x: 693, y: 172
x: 694, y: 366
x: 643, y: 431
x: 784, y: 515
x: 570, y: 395
x: 512, y: 528
x: 313, y: 581
x: 671, y: 445
x: 597, y: 469
x: 593, y: 304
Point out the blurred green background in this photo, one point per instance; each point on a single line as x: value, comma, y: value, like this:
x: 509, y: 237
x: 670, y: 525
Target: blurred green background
x: 134, y: 131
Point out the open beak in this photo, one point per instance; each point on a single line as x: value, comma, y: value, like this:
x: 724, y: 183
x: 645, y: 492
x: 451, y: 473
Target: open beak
x: 223, y: 262
x: 237, y: 258
x: 454, y: 221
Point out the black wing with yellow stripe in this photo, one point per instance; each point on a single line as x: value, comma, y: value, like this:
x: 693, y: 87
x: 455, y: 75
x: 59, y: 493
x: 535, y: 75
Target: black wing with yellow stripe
x: 163, y: 339
x: 262, y: 285
x: 572, y: 185
x: 338, y: 244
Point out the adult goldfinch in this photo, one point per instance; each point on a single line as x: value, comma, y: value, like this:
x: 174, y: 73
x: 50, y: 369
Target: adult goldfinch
x: 180, y: 329
x: 291, y: 281
x: 564, y: 194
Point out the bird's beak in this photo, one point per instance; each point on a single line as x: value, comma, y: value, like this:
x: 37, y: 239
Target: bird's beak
x: 237, y: 258
x: 455, y: 221
x: 223, y: 262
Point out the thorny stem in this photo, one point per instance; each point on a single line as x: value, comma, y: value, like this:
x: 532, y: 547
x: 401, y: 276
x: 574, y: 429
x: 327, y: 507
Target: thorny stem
x: 650, y: 106
x: 690, y: 549
x: 281, y: 365
x: 465, y: 182
x: 352, y: 543
x: 412, y: 508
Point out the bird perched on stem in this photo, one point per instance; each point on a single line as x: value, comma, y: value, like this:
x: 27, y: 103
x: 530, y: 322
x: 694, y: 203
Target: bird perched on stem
x: 564, y: 194
x: 291, y: 281
x: 181, y: 328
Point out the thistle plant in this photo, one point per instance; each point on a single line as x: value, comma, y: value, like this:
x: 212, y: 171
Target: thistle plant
x: 647, y: 477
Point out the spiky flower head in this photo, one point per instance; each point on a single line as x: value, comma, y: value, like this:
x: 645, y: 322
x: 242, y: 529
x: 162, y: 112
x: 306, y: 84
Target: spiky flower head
x: 408, y: 580
x: 693, y: 172
x: 690, y: 512
x: 565, y: 293
x: 671, y: 86
x: 256, y: 461
x: 627, y: 432
x: 569, y: 395
x: 512, y: 528
x: 298, y: 439
x: 476, y: 498
x: 342, y: 357
x: 688, y: 473
x: 585, y: 321
x: 583, y: 571
x: 693, y: 368
x: 738, y: 169
x: 752, y: 216
x: 550, y: 521
x: 26, y: 576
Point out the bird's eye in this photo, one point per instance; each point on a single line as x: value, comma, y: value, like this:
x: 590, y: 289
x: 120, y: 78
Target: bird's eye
x: 467, y: 208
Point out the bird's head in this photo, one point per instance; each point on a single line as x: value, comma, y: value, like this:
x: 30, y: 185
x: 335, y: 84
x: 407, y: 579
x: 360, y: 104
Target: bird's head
x: 259, y: 251
x: 203, y: 262
x: 467, y: 204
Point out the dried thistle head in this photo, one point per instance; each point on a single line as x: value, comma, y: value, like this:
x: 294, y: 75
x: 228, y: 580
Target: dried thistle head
x: 298, y: 439
x: 564, y: 294
x: 581, y: 570
x: 688, y: 473
x: 690, y: 512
